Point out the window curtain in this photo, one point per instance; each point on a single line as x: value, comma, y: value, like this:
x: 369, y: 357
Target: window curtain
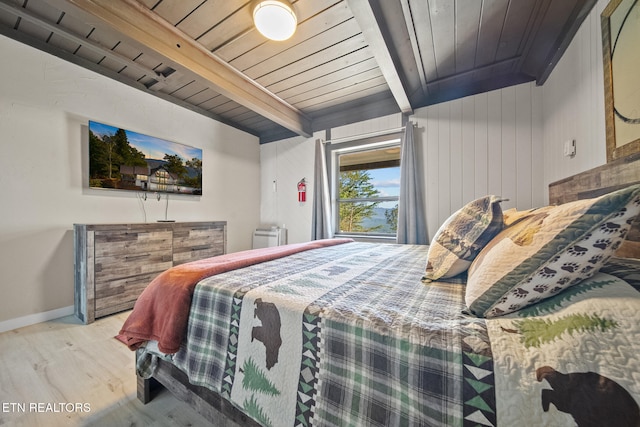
x: 412, y: 222
x: 321, y: 222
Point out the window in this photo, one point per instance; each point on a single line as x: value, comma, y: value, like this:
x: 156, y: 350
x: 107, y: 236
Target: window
x: 162, y: 178
x: 366, y: 186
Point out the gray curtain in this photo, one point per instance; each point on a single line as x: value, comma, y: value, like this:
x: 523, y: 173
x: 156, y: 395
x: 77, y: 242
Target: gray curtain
x: 321, y: 223
x: 412, y: 221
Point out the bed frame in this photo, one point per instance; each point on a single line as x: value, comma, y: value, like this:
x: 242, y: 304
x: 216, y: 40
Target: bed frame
x: 598, y: 181
x: 592, y: 183
x: 213, y: 407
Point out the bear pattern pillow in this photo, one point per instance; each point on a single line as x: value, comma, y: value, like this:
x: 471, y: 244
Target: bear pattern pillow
x: 548, y: 251
x: 462, y: 236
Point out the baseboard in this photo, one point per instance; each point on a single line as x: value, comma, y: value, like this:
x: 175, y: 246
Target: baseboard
x: 32, y: 319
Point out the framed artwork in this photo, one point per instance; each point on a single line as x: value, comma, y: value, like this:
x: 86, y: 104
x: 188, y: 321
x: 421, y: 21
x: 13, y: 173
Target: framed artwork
x: 621, y: 59
x: 122, y: 159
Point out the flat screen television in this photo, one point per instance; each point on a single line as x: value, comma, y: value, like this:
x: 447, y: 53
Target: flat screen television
x: 125, y: 160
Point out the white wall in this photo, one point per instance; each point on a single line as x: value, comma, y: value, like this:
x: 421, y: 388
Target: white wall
x: 283, y: 164
x: 381, y: 124
x: 573, y: 104
x: 288, y: 161
x: 484, y: 144
x: 45, y: 104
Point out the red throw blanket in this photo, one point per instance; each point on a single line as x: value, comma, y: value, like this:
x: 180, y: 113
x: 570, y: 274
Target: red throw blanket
x: 162, y: 310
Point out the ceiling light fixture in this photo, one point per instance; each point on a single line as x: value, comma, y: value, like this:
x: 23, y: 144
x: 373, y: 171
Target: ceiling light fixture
x: 275, y: 19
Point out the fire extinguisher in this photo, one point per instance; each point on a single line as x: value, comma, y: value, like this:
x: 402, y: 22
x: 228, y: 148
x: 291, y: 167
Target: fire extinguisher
x: 302, y: 191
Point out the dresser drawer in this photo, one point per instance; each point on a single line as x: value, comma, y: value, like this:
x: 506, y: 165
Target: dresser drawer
x: 131, y: 243
x: 195, y: 243
x: 109, y: 269
x: 127, y: 254
x: 121, y: 294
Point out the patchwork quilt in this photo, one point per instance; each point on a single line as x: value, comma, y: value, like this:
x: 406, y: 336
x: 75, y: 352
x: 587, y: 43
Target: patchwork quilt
x: 349, y: 335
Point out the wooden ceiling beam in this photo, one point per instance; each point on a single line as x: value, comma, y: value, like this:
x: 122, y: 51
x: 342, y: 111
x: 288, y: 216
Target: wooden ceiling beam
x: 380, y: 46
x: 143, y: 26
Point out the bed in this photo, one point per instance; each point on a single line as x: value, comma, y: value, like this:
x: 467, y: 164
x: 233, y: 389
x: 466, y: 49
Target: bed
x: 339, y: 332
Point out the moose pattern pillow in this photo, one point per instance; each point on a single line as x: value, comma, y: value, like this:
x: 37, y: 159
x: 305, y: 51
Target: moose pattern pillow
x: 548, y: 251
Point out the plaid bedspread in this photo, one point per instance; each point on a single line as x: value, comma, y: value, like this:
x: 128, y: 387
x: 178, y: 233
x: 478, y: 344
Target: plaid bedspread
x: 360, y: 345
x: 326, y: 337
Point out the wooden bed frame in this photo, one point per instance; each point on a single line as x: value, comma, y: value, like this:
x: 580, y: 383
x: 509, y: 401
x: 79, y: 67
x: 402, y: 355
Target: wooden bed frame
x: 598, y: 181
x: 592, y: 183
x: 213, y: 407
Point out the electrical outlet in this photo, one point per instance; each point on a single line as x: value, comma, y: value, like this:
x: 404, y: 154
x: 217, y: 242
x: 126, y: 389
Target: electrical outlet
x: 570, y: 148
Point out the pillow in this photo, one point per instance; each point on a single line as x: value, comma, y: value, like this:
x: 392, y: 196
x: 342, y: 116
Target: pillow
x: 462, y: 236
x: 510, y: 216
x: 627, y: 269
x: 548, y: 251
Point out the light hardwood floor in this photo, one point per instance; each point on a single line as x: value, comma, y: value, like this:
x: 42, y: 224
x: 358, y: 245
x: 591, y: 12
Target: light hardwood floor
x: 83, y: 374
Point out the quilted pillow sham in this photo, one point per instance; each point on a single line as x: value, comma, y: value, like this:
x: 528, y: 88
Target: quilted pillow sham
x: 548, y: 251
x: 462, y: 236
x: 511, y: 216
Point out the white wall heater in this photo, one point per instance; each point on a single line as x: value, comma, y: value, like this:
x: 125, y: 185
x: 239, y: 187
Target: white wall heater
x: 267, y: 237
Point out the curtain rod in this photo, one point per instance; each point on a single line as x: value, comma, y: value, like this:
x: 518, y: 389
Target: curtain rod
x: 367, y: 135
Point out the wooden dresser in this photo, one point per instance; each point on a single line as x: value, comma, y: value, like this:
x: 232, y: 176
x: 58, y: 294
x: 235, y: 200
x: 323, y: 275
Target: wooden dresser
x: 115, y: 262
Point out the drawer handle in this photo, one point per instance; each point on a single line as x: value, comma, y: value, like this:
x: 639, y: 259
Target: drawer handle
x: 132, y: 257
x: 145, y: 278
x: 199, y: 248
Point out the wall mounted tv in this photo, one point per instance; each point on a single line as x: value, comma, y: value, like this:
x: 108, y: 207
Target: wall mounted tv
x: 125, y: 160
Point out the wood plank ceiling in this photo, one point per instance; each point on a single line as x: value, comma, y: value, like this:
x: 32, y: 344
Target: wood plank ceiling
x: 348, y: 61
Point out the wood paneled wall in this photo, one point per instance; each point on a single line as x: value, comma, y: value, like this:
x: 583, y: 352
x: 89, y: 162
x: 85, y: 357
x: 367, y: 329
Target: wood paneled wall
x: 380, y: 124
x: 573, y: 104
x: 489, y: 143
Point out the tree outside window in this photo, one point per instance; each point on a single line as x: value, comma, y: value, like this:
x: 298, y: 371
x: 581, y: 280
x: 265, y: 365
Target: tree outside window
x: 368, y: 188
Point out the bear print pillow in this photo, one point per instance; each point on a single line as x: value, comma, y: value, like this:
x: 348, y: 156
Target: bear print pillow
x: 548, y: 251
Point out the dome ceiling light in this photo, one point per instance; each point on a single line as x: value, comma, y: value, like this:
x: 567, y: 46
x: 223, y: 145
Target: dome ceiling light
x: 275, y: 19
